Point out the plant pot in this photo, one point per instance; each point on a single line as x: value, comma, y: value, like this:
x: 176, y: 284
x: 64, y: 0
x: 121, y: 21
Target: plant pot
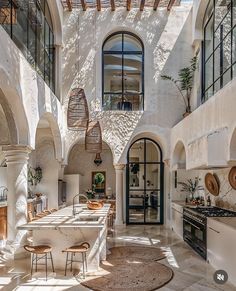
x: 186, y: 114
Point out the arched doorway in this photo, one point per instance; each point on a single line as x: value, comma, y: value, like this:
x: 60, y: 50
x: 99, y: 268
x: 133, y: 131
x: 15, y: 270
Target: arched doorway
x: 144, y: 183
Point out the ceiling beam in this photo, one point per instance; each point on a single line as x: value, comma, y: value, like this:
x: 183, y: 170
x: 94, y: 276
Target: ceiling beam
x: 142, y: 3
x: 156, y: 3
x: 99, y: 7
x: 113, y: 6
x: 128, y: 5
x: 84, y: 5
x: 69, y: 4
x: 171, y: 3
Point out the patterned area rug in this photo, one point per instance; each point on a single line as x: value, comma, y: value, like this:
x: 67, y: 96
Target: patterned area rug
x: 131, y: 271
x: 138, y: 252
x: 130, y: 275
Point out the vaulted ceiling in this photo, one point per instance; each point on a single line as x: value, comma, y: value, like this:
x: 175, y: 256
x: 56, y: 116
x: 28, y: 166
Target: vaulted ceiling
x: 113, y: 4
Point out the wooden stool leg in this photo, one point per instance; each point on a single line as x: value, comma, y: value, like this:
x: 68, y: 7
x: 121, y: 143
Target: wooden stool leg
x: 36, y: 263
x: 66, y: 263
x: 52, y: 262
x: 86, y: 263
x: 46, y: 265
x: 71, y: 257
x: 83, y: 264
x: 32, y: 264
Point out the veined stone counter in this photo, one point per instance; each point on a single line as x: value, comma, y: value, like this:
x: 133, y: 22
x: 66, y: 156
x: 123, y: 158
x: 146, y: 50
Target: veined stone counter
x: 62, y: 230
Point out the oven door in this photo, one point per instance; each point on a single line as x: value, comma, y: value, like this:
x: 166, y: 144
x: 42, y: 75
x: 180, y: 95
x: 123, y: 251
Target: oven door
x: 195, y: 235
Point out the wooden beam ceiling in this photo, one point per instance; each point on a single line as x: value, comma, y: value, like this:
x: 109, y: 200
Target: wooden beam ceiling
x: 84, y: 5
x: 156, y: 3
x: 113, y: 5
x: 99, y: 7
x: 171, y: 3
x: 128, y: 5
x: 69, y: 4
x: 142, y: 3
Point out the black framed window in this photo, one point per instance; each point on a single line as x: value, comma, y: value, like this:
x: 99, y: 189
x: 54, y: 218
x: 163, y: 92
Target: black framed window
x: 29, y: 24
x: 123, y: 72
x: 219, y: 62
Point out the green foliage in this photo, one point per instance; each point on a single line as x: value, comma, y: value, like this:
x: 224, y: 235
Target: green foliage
x: 99, y: 178
x: 184, y: 83
x: 34, y: 175
x: 191, y: 186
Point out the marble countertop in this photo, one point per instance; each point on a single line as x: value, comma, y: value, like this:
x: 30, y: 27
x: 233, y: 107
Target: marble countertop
x: 227, y: 221
x: 63, y: 218
x: 179, y: 202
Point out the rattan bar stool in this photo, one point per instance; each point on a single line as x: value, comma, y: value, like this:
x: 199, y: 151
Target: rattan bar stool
x: 77, y: 249
x: 40, y: 252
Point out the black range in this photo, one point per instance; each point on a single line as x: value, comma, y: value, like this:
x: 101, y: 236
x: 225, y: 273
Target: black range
x: 195, y: 225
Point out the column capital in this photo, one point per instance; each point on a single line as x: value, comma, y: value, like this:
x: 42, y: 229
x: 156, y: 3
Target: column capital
x: 119, y: 166
x: 16, y: 153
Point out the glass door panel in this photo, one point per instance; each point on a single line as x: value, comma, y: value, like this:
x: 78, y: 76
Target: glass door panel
x: 144, y: 183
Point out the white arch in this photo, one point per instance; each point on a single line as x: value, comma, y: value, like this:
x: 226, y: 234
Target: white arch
x: 152, y: 135
x: 178, y: 160
x: 80, y: 140
x: 56, y: 11
x: 55, y: 133
x: 232, y: 145
x: 11, y: 102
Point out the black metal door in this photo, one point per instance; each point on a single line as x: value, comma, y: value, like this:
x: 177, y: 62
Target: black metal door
x: 144, y: 183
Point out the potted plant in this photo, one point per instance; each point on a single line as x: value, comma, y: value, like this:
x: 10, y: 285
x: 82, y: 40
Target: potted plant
x: 191, y: 186
x: 184, y: 83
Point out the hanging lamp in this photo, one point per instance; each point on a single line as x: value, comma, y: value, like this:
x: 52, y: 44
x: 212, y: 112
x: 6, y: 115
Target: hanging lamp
x: 93, y: 138
x: 98, y: 160
x: 77, y: 113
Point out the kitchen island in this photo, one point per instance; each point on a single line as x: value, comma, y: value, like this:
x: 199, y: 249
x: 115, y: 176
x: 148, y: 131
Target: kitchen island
x: 62, y: 229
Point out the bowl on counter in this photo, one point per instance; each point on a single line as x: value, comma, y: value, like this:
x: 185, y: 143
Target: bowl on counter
x: 95, y: 205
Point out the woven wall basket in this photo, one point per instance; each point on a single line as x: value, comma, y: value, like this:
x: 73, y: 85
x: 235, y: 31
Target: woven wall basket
x: 232, y: 177
x: 212, y: 184
x: 77, y: 113
x: 93, y: 137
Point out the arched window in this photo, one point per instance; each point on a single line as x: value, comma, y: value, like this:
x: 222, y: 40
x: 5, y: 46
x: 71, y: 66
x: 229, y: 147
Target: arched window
x: 219, y: 46
x: 29, y: 24
x: 123, y: 68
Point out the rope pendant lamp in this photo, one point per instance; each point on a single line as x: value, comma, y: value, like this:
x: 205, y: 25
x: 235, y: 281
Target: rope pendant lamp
x: 93, y: 137
x: 77, y: 113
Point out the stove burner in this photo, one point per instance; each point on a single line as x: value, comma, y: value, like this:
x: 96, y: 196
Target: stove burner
x: 214, y: 212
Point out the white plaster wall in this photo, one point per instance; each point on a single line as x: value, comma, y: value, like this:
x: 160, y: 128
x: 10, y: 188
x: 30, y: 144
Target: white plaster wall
x: 26, y: 93
x: 81, y: 162
x: 44, y: 157
x: 167, y: 41
x: 207, y: 132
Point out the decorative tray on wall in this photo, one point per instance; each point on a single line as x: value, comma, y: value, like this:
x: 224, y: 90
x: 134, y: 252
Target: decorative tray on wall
x: 232, y: 177
x: 212, y: 184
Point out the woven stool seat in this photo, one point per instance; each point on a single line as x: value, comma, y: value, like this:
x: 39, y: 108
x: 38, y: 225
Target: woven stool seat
x: 40, y: 249
x: 78, y: 248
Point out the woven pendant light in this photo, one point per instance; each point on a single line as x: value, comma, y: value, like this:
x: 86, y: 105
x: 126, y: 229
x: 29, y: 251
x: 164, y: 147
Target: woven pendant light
x: 77, y: 113
x: 93, y: 137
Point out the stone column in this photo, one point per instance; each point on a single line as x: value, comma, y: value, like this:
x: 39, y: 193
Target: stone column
x: 119, y: 168
x: 17, y: 159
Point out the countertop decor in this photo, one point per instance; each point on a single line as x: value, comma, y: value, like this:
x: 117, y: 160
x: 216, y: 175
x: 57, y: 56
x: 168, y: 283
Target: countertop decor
x: 191, y: 186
